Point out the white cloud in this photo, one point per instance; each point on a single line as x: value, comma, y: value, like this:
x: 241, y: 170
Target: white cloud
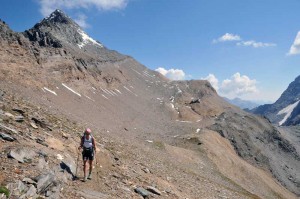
x: 295, y: 48
x: 227, y: 37
x: 48, y: 6
x: 255, y: 44
x: 213, y: 81
x: 240, y: 42
x: 81, y: 21
x: 238, y: 85
x: 173, y: 74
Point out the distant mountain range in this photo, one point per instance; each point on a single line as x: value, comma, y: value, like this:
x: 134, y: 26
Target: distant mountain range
x: 286, y: 110
x: 243, y: 104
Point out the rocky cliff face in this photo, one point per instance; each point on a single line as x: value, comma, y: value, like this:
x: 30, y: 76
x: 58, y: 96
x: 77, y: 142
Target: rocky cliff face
x: 285, y: 111
x: 172, y: 133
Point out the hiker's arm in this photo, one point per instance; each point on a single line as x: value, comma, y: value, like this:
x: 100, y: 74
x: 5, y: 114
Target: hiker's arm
x: 94, y: 144
x: 81, y: 144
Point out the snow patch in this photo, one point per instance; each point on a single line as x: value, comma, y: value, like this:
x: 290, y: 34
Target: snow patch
x: 118, y: 91
x: 54, y: 93
x: 89, y: 98
x: 287, y: 111
x: 104, y: 96
x: 71, y: 90
x: 104, y: 90
x: 198, y: 130
x: 150, y: 141
x: 87, y: 39
x: 130, y: 91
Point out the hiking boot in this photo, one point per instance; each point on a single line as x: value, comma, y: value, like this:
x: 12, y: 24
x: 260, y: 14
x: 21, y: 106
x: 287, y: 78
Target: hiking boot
x: 90, y: 176
x: 85, y: 179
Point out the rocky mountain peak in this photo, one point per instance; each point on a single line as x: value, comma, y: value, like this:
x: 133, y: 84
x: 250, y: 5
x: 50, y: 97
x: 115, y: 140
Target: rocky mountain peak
x: 286, y: 110
x: 58, y: 30
x: 58, y: 17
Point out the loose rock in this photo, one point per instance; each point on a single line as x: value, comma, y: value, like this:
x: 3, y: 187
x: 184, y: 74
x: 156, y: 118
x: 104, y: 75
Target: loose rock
x: 28, y: 181
x: 22, y: 155
x: 153, y: 190
x: 33, y: 125
x: 19, y: 118
x: 143, y: 192
x: 44, y: 181
x: 68, y: 163
x: 7, y: 137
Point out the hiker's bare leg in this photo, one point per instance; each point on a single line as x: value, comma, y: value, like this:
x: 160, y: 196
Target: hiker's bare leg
x: 84, y: 167
x: 91, y: 165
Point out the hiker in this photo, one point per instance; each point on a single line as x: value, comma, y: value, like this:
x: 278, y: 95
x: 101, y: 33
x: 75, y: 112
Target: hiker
x: 88, y: 145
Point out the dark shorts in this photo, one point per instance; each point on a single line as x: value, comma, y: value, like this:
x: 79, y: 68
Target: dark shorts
x: 88, y: 154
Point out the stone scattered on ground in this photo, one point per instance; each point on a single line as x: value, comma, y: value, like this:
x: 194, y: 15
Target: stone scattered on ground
x: 28, y: 181
x: 146, y: 170
x: 68, y: 164
x: 143, y: 192
x: 44, y: 181
x: 22, y: 155
x: 153, y: 190
x: 33, y: 125
x: 19, y: 118
x: 42, y: 142
x: 7, y: 137
x: 7, y: 129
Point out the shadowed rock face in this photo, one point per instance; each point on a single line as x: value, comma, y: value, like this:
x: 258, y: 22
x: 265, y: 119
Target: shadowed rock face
x: 258, y: 142
x: 57, y: 65
x: 289, y: 97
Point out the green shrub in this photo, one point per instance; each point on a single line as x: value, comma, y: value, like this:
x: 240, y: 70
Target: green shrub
x: 5, y: 191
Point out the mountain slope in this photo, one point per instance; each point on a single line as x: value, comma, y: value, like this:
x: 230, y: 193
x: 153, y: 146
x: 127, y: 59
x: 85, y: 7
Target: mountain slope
x: 285, y: 111
x: 165, y: 126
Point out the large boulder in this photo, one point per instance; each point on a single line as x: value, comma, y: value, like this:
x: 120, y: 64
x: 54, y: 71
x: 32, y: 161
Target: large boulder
x: 22, y: 154
x: 44, y: 182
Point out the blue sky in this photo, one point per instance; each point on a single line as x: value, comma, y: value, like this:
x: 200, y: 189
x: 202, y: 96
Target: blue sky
x: 187, y: 39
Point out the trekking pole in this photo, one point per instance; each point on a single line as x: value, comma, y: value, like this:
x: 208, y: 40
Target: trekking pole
x: 75, y: 177
x: 96, y: 168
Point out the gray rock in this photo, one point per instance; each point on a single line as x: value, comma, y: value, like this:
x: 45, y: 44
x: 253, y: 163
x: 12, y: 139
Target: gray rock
x: 44, y: 181
x: 143, y: 192
x: 41, y: 141
x: 7, y: 129
x: 31, y: 193
x: 28, y: 181
x: 22, y: 155
x: 153, y: 190
x: 146, y: 170
x: 41, y: 123
x: 42, y: 164
x: 19, y: 110
x: 7, y: 137
x: 17, y: 188
x: 68, y: 163
x: 48, y: 193
x: 19, y: 118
